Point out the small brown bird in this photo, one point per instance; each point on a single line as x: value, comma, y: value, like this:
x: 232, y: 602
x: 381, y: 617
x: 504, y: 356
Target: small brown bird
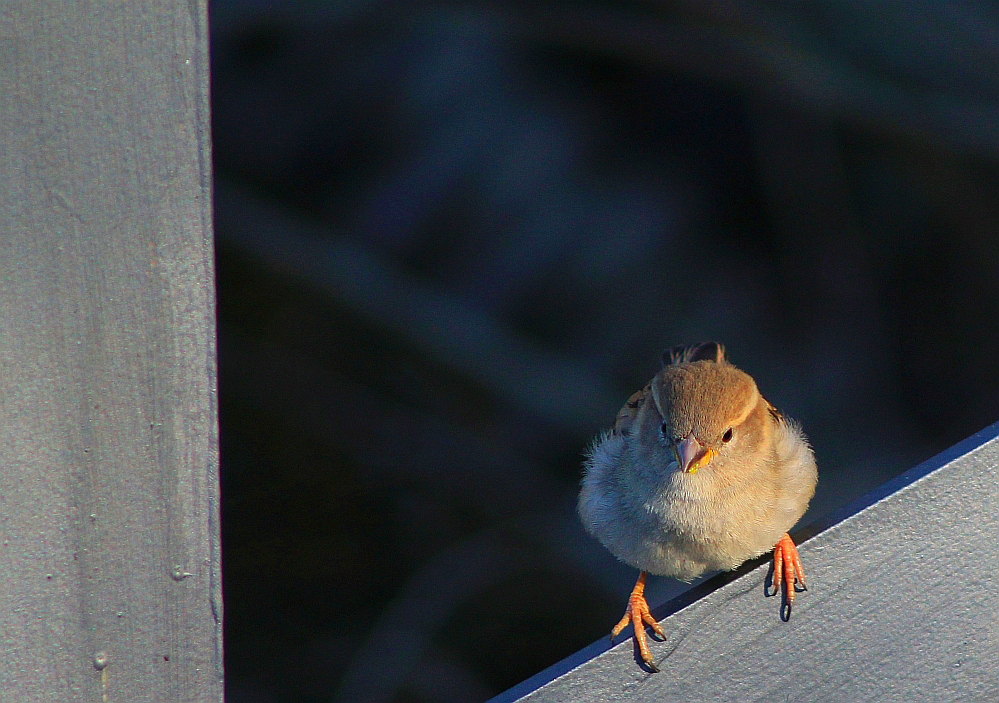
x: 699, y: 473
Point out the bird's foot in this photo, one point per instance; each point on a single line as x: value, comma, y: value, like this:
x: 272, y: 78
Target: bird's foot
x: 787, y: 571
x: 639, y: 615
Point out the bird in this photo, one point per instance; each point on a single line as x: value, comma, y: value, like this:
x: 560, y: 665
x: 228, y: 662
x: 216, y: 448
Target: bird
x: 698, y: 473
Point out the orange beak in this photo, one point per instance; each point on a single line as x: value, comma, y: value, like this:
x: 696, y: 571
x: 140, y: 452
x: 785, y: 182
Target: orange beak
x: 691, y: 456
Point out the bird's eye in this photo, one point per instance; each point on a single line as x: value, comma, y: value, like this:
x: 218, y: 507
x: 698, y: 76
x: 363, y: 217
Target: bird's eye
x: 727, y: 437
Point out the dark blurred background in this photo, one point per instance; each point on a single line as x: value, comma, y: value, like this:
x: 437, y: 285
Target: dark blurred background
x: 454, y: 237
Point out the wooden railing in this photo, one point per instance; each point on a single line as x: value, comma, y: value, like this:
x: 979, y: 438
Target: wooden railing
x: 110, y: 582
x: 900, y: 607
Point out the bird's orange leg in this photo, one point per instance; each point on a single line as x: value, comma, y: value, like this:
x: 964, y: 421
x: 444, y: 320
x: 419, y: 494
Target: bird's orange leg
x: 787, y: 569
x: 639, y: 616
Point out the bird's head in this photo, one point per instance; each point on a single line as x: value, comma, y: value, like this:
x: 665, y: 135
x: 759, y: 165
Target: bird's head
x: 706, y: 412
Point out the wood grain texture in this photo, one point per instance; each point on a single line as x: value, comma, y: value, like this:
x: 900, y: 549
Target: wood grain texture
x: 900, y: 607
x: 108, y: 412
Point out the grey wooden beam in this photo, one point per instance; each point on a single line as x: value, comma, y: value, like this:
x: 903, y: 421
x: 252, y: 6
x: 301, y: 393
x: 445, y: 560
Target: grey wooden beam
x: 901, y: 606
x: 110, y: 585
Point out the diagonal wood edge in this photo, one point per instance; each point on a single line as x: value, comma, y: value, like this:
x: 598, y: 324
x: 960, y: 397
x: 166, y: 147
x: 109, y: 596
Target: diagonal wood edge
x: 572, y: 667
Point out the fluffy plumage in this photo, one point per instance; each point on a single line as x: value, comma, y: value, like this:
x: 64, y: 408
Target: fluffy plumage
x: 699, y: 473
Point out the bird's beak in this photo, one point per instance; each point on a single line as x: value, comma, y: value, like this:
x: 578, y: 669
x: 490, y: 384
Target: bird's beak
x: 691, y: 456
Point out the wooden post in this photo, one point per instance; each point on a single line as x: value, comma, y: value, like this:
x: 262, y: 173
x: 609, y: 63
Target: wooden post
x: 900, y: 607
x: 110, y: 586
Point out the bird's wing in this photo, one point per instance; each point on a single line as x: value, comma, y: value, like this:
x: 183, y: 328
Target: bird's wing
x: 626, y: 416
x: 774, y: 412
